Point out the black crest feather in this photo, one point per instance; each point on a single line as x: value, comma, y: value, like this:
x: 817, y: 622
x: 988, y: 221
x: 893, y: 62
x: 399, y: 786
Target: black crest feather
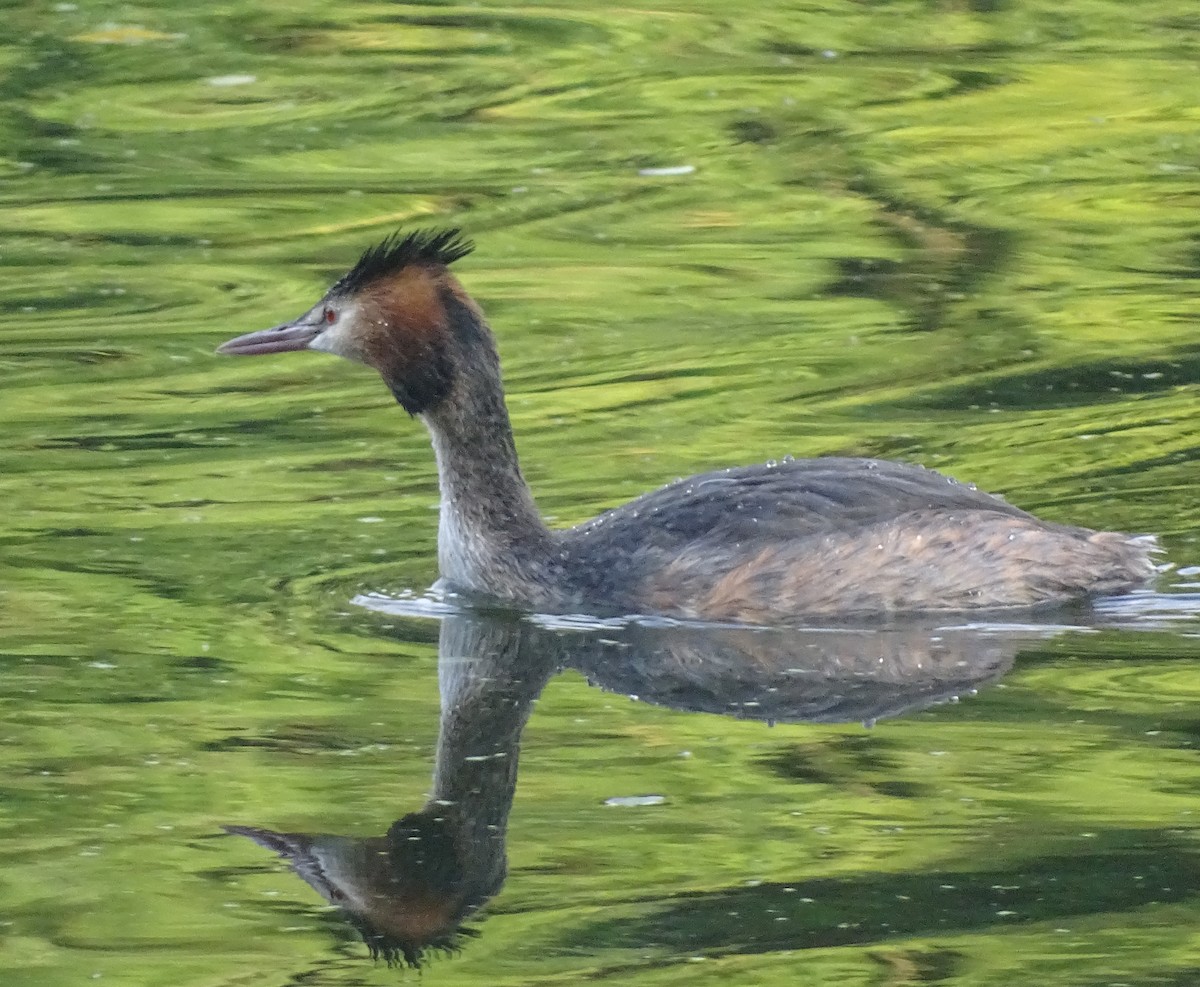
x: 399, y: 251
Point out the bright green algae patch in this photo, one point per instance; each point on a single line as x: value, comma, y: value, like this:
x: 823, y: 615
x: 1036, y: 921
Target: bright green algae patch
x: 956, y: 233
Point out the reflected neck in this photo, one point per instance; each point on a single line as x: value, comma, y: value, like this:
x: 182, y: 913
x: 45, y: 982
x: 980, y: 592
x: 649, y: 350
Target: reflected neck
x: 489, y: 672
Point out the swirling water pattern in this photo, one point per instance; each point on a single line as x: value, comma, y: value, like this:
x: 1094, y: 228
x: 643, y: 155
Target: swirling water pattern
x: 959, y: 232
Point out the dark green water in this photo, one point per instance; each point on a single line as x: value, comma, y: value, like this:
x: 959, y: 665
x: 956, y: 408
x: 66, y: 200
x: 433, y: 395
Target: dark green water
x: 961, y: 233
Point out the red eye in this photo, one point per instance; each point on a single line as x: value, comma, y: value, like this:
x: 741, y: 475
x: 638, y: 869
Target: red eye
x: 330, y: 316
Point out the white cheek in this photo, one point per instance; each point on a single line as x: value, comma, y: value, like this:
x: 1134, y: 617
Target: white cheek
x: 340, y: 338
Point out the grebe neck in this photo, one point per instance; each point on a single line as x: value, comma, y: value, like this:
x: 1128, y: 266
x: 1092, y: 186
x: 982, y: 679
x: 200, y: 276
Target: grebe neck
x: 491, y: 538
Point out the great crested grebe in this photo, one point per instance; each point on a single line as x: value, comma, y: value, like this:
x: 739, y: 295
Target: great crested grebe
x: 753, y: 544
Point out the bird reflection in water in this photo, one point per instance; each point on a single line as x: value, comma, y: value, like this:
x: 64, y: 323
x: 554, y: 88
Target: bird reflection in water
x: 409, y: 891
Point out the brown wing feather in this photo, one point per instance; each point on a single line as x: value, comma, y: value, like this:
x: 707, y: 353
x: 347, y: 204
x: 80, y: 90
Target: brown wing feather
x: 838, y: 536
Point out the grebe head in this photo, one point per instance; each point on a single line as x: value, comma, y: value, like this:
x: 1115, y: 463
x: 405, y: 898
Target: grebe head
x: 398, y: 310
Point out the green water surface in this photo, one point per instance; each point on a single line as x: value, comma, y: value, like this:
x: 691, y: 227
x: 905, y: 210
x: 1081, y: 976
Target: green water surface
x: 954, y: 232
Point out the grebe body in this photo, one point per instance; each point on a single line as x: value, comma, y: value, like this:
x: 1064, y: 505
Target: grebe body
x: 756, y: 544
